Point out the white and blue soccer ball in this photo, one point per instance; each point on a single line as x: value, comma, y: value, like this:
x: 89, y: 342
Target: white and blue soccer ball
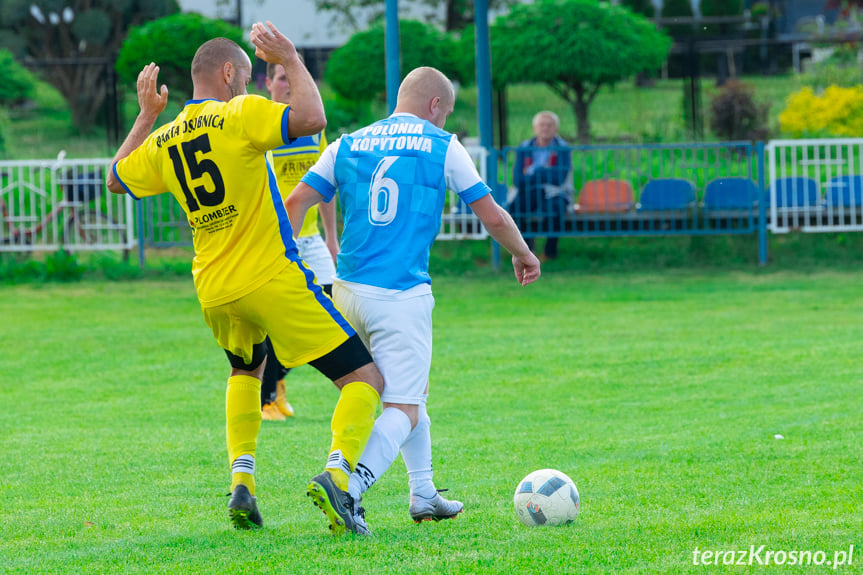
x: 546, y: 497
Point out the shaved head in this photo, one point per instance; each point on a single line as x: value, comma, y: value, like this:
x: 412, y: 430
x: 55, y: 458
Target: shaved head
x: 213, y: 54
x: 426, y: 93
x: 425, y: 83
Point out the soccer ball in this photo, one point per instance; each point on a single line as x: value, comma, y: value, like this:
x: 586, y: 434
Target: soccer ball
x: 546, y: 497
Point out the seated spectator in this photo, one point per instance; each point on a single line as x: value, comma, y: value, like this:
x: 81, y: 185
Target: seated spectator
x: 541, y: 168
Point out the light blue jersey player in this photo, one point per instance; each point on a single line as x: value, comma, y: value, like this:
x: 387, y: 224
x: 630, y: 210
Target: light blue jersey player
x: 392, y: 178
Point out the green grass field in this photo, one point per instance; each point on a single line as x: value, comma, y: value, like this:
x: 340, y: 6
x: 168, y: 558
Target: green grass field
x: 659, y: 393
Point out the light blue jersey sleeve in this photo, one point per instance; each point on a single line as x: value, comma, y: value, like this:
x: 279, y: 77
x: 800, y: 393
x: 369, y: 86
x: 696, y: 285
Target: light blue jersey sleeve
x: 461, y: 174
x: 322, y: 176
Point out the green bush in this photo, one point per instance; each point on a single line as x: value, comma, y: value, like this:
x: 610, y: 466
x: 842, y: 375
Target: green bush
x: 357, y: 70
x: 344, y: 115
x: 114, y: 269
x: 63, y: 266
x: 17, y: 84
x: 171, y: 42
x: 735, y: 115
x: 14, y: 271
x: 840, y: 69
x: 179, y: 268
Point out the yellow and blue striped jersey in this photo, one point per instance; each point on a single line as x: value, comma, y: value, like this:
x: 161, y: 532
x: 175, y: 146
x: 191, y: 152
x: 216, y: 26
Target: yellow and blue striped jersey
x: 291, y: 162
x: 212, y: 159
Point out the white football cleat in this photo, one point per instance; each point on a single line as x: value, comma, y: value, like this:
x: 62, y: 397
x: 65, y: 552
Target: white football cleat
x: 436, y: 508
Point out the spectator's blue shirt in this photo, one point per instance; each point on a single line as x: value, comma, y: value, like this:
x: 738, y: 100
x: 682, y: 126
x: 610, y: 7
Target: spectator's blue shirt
x: 537, y: 166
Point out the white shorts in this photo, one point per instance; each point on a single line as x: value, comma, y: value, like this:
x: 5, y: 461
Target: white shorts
x: 317, y: 257
x: 397, y: 329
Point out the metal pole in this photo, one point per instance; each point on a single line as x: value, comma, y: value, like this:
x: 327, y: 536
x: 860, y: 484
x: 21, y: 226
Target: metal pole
x: 140, y: 210
x: 393, y: 53
x: 484, y: 105
x: 762, y: 220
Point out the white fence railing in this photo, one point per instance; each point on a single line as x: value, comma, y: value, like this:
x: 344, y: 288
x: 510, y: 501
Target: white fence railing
x: 815, y: 185
x: 457, y: 221
x: 47, y: 205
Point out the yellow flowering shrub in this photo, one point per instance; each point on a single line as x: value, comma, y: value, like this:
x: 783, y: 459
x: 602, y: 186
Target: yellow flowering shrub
x: 838, y: 112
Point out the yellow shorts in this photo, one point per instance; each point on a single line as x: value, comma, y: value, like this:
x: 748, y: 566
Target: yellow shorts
x: 300, y: 319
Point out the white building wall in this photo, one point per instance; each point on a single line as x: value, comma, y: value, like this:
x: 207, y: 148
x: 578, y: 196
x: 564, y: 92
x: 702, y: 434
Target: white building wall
x: 297, y: 19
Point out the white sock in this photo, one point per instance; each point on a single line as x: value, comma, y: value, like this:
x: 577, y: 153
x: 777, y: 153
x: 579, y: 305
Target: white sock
x: 390, y: 430
x: 244, y: 464
x: 416, y: 452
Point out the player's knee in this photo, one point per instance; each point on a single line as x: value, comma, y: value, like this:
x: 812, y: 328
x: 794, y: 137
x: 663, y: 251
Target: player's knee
x: 349, y: 362
x: 370, y: 374
x: 412, y: 411
x: 423, y: 417
x: 259, y: 354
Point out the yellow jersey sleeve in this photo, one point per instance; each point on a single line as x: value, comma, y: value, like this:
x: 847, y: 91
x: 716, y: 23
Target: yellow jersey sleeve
x: 141, y: 178
x: 265, y: 121
x: 211, y: 158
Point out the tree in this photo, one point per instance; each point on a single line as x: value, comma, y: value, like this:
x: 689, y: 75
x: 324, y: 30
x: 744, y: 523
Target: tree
x: 720, y: 8
x: 643, y: 7
x: 457, y: 14
x: 357, y: 70
x: 16, y: 82
x: 678, y: 9
x: 575, y: 47
x: 49, y: 30
x: 171, y: 42
x: 735, y: 115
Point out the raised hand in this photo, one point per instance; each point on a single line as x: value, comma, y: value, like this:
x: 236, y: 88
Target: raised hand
x: 152, y: 103
x: 271, y: 45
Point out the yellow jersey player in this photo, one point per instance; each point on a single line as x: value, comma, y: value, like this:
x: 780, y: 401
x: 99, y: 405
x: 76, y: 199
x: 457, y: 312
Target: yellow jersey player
x: 290, y: 162
x: 248, y: 275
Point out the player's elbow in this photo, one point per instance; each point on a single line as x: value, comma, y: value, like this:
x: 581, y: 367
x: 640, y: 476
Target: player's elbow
x: 113, y: 184
x: 291, y: 203
x: 308, y: 124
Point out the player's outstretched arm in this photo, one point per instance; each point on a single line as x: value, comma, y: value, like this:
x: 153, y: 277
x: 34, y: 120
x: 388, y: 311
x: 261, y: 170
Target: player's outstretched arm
x: 306, y: 116
x: 501, y: 227
x: 298, y: 203
x: 328, y: 219
x: 152, y: 104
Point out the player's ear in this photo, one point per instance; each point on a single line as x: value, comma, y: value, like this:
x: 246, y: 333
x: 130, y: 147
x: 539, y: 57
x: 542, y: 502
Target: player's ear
x: 228, y: 72
x: 434, y: 106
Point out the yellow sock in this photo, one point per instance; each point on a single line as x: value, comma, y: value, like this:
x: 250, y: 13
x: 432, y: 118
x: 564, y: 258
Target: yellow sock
x: 352, y: 424
x: 243, y: 414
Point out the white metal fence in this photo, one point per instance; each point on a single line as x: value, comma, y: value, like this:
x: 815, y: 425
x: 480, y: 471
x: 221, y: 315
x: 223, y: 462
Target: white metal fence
x: 47, y: 205
x: 815, y: 185
x: 457, y: 221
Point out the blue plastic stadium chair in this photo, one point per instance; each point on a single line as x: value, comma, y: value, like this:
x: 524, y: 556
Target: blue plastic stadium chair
x: 730, y: 194
x: 795, y: 192
x: 845, y: 191
x: 666, y: 194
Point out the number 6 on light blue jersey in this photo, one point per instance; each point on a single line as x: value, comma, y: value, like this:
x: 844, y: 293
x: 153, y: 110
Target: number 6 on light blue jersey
x: 383, y: 194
